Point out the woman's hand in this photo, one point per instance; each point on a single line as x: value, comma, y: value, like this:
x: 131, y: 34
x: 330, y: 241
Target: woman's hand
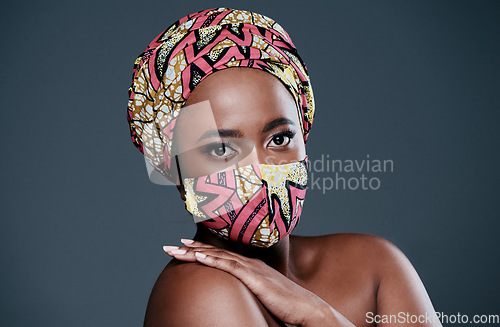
x: 285, y: 299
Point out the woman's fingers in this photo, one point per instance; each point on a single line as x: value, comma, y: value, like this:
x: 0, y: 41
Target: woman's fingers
x: 192, y: 243
x: 186, y: 253
x: 179, y: 253
x: 224, y: 261
x: 189, y: 252
x: 198, y: 244
x: 217, y: 258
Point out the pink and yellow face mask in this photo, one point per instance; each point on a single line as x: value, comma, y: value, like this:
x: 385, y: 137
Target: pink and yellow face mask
x: 257, y: 204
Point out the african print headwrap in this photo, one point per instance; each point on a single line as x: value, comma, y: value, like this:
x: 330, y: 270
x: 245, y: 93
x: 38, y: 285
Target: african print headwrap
x: 191, y: 49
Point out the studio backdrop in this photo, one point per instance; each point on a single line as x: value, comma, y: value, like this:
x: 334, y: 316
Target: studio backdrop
x: 404, y: 146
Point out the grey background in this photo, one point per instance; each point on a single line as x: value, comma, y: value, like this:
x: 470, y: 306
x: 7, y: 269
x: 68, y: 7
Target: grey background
x: 82, y: 228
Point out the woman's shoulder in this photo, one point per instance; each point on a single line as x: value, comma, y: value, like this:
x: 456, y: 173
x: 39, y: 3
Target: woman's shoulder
x: 379, y: 266
x: 186, y: 291
x: 344, y: 242
x: 348, y: 250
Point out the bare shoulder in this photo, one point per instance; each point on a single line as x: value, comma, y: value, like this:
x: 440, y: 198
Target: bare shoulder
x: 353, y: 240
x: 348, y: 243
x: 372, y: 261
x: 375, y: 254
x: 190, y: 294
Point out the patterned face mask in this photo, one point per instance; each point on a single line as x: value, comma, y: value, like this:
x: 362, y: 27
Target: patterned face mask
x: 255, y: 204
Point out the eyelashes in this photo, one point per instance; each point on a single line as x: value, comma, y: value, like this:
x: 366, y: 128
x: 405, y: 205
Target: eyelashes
x: 282, y: 139
x: 224, y: 150
x: 220, y: 150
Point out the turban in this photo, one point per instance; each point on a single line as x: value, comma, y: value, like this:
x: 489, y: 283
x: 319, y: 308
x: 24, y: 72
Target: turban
x: 194, y: 47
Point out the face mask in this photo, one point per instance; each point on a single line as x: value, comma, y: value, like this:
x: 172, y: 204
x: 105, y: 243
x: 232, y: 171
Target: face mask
x: 255, y: 204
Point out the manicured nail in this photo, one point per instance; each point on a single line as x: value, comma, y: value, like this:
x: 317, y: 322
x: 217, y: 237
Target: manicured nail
x: 179, y: 251
x: 186, y: 241
x: 200, y: 255
x: 168, y: 248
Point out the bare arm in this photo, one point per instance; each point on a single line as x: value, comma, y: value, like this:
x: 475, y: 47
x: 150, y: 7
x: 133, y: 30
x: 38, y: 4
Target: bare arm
x: 193, y: 295
x: 286, y: 300
x: 401, y: 295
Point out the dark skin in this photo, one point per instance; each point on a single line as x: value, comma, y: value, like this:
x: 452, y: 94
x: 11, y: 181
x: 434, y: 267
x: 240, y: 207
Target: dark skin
x: 330, y: 280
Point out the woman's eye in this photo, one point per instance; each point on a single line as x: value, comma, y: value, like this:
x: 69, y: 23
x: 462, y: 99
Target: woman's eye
x: 221, y: 150
x: 281, y: 140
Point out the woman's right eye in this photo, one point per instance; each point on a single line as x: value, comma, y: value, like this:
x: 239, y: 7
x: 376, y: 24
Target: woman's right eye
x: 220, y: 150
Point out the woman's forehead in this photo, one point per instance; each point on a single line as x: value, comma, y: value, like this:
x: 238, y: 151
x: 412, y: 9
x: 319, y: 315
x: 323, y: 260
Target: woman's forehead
x: 238, y: 98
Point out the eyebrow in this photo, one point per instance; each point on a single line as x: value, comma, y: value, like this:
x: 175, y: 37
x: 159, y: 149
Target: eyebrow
x: 221, y: 133
x: 237, y: 133
x: 277, y: 122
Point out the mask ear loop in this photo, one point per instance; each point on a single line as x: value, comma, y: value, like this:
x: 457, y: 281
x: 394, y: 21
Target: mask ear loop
x: 179, y: 170
x: 237, y: 165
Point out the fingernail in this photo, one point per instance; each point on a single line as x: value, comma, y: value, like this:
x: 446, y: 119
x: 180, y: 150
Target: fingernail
x: 167, y: 248
x: 186, y: 241
x: 179, y: 251
x: 200, y: 255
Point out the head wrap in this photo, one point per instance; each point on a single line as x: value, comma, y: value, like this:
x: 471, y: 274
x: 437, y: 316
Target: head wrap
x: 191, y: 49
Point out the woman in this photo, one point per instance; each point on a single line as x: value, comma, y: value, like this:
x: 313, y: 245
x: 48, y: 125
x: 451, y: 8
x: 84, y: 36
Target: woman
x: 221, y: 105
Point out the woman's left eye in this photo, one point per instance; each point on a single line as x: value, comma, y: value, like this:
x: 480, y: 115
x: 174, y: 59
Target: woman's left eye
x: 281, y: 139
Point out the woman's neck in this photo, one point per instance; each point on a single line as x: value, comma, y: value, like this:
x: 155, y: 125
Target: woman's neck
x: 276, y: 256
